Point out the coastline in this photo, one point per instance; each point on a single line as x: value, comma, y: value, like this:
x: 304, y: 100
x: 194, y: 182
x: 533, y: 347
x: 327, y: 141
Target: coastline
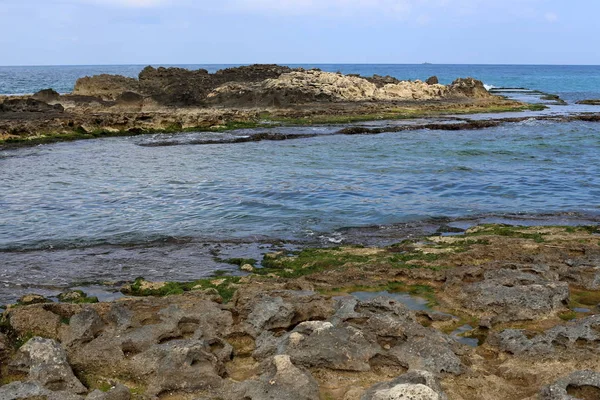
x: 475, y: 304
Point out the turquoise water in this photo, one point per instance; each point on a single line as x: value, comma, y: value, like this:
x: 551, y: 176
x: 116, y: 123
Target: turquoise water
x: 572, y: 82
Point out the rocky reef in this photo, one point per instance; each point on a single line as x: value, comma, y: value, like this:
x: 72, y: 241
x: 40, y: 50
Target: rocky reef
x: 175, y: 99
x: 504, y: 312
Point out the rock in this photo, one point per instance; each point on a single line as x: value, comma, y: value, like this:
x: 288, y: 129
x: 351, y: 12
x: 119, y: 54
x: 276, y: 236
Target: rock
x: 512, y: 295
x: 45, y: 361
x: 4, y: 344
x: 247, y: 268
x: 47, y: 95
x: 362, y: 336
x: 34, y: 320
x: 107, y: 87
x: 33, y: 391
x: 76, y: 296
x: 118, y: 392
x: 418, y: 384
x: 278, y: 309
x: 468, y: 87
x: 29, y: 105
x: 185, y: 365
x: 432, y: 80
x: 591, y: 102
x: 580, y: 338
x: 406, y: 391
x: 579, y: 385
x: 29, y: 299
x: 283, y: 380
x: 83, y: 327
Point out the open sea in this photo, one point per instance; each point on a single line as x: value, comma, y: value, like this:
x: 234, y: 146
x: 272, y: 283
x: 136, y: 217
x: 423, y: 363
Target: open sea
x: 59, y: 201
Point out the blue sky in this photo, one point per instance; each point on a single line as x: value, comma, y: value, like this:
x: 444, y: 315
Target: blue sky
x: 50, y: 32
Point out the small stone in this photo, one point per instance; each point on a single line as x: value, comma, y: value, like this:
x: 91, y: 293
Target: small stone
x: 247, y: 268
x: 218, y: 282
x: 29, y: 299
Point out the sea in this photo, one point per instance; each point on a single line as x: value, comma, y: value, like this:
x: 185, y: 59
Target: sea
x: 96, y: 213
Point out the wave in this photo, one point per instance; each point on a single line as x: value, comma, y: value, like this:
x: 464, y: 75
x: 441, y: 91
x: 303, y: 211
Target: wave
x: 489, y: 87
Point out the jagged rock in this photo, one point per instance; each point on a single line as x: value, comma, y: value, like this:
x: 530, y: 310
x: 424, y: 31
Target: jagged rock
x: 578, y: 385
x: 512, y: 295
x: 47, y: 95
x: 419, y: 384
x: 105, y: 86
x: 33, y: 391
x: 83, y: 327
x: 279, y: 309
x: 432, y: 80
x: 362, y: 335
x: 29, y: 105
x: 283, y: 380
x: 118, y: 392
x: 185, y: 365
x: 468, y: 87
x: 580, y: 336
x: 45, y: 361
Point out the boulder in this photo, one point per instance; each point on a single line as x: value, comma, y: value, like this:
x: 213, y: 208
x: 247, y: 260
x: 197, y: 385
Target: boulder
x: 432, y: 80
x: 45, y: 362
x: 578, y: 385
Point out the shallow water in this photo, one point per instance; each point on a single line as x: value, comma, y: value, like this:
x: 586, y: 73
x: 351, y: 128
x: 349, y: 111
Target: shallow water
x: 116, y: 191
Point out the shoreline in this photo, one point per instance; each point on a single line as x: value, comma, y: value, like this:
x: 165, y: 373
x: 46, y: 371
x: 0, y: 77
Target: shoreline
x: 486, y: 285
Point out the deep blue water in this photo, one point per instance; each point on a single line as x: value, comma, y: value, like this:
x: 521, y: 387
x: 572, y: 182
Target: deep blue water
x: 571, y: 82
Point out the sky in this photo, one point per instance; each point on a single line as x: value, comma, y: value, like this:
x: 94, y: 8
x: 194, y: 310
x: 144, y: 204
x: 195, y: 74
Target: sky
x: 94, y: 32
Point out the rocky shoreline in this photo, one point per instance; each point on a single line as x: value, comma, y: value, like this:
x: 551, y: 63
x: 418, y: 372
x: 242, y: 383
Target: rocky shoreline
x: 501, y: 312
x: 176, y: 100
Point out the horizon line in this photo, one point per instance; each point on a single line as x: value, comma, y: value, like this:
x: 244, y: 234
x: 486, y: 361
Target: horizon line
x: 287, y: 64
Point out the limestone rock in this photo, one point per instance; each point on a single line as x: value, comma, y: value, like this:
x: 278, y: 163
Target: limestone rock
x: 33, y: 391
x: 418, y: 384
x: 579, y: 385
x: 46, y: 363
x: 29, y: 299
x: 283, y: 380
x: 118, y: 392
x: 185, y: 365
x: 47, y: 95
x: 35, y: 320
